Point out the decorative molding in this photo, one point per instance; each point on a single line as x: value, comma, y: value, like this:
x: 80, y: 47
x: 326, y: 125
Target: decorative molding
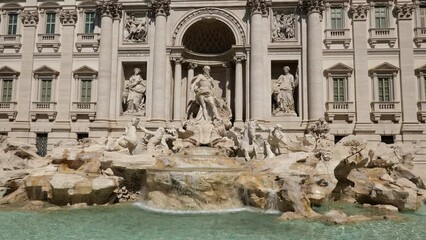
x: 68, y: 17
x: 160, y: 7
x: 239, y: 58
x: 404, y: 12
x: 259, y: 6
x: 177, y: 59
x: 359, y: 12
x: 210, y: 13
x: 109, y: 8
x: 308, y: 6
x: 192, y: 65
x: 29, y: 17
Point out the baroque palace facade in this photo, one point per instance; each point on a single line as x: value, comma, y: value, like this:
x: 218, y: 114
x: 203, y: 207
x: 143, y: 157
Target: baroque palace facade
x: 71, y: 69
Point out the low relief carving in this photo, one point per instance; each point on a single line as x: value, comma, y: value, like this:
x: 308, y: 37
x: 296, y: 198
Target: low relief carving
x: 134, y: 94
x: 283, y: 26
x: 135, y: 29
x: 283, y: 93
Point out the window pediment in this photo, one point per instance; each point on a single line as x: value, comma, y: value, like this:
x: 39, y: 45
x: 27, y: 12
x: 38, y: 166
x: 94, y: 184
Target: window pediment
x: 11, y: 6
x: 50, y: 5
x: 7, y: 71
x: 46, y: 71
x: 85, y: 71
x: 87, y: 4
x: 384, y: 68
x: 338, y: 69
x: 421, y: 70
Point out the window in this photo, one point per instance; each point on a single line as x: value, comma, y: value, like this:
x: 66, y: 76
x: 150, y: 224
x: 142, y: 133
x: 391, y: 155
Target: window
x: 46, y: 90
x: 387, y: 139
x: 82, y: 136
x: 13, y: 24
x: 422, y: 17
x: 89, y: 23
x: 6, y: 86
x: 86, y: 90
x: 381, y: 16
x: 336, y: 18
x: 41, y: 144
x: 384, y: 89
x: 50, y: 23
x: 339, y: 89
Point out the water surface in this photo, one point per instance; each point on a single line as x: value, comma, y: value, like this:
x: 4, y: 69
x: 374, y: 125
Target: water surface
x: 130, y: 222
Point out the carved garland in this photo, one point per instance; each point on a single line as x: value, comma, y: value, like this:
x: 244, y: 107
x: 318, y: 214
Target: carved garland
x: 359, y: 12
x: 308, y: 6
x: 160, y: 7
x: 404, y: 12
x: 110, y: 8
x: 211, y: 12
x: 29, y: 17
x: 68, y: 17
x: 259, y: 6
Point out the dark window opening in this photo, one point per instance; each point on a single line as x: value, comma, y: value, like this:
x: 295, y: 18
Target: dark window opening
x: 41, y: 144
x: 388, y: 139
x: 337, y: 138
x: 81, y: 136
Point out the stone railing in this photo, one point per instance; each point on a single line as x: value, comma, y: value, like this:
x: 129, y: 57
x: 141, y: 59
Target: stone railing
x: 382, y: 35
x: 343, y: 110
x: 337, y: 36
x: 48, y: 40
x: 87, y: 40
x: 390, y: 109
x: 419, y: 36
x: 40, y: 109
x: 10, y: 41
x: 9, y: 109
x: 83, y: 109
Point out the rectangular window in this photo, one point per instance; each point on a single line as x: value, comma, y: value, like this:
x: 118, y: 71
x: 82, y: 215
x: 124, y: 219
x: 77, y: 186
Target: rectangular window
x: 89, y: 23
x: 50, y: 23
x: 339, y: 89
x: 46, y: 90
x: 7, y: 85
x: 384, y: 89
x: 336, y: 18
x: 422, y: 17
x: 86, y: 90
x: 13, y: 24
x: 381, y: 17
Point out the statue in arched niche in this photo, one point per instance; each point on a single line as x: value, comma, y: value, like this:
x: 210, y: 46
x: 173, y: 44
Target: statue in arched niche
x: 283, y: 93
x: 134, y: 94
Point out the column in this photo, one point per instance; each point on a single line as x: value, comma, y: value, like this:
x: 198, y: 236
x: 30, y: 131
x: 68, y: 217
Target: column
x: 160, y: 9
x: 228, y: 78
x: 314, y: 10
x: 189, y: 93
x: 177, y: 98
x: 361, y: 78
x: 68, y: 19
x: 406, y: 64
x: 108, y: 9
x: 29, y: 20
x: 238, y: 87
x: 258, y: 9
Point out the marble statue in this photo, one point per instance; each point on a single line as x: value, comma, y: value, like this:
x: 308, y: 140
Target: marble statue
x: 136, y: 29
x: 283, y: 27
x: 157, y: 141
x: 129, y: 140
x: 207, y: 107
x: 275, y: 138
x: 134, y: 94
x: 283, y: 91
x: 248, y: 143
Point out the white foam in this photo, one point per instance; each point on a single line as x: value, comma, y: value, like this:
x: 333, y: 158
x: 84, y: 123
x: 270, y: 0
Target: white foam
x: 215, y: 211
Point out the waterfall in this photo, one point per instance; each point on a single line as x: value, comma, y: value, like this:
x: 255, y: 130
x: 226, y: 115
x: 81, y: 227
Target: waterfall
x: 271, y: 201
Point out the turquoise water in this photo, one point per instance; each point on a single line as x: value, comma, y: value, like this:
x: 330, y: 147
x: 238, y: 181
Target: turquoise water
x: 130, y: 222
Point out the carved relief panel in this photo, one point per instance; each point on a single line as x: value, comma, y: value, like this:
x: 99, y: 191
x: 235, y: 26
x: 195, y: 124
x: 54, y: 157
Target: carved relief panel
x: 135, y: 27
x: 283, y: 25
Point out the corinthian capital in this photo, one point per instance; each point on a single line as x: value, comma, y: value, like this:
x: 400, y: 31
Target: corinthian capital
x: 68, y: 17
x: 110, y: 8
x: 160, y: 7
x: 308, y: 6
x: 359, y: 13
x: 404, y: 12
x: 29, y: 18
x: 259, y: 6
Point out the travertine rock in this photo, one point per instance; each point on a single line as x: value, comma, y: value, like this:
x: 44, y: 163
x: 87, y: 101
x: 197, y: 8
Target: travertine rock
x: 336, y: 217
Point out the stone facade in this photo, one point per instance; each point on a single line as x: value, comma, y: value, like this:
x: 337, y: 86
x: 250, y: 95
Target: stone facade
x: 66, y: 66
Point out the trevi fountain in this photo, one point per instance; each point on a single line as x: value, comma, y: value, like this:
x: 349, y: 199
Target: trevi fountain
x: 210, y: 177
